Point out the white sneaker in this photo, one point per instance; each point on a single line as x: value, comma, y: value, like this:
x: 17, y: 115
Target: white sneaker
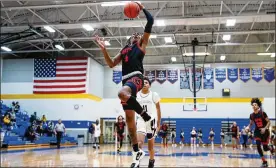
x: 137, y: 156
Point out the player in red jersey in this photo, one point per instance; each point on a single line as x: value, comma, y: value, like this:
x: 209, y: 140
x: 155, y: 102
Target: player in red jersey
x: 132, y: 56
x: 261, y: 133
x: 120, y: 131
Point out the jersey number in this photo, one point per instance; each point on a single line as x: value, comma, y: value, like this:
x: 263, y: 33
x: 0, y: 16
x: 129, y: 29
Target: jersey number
x: 145, y: 108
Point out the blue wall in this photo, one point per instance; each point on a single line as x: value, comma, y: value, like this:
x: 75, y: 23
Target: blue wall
x: 74, y: 123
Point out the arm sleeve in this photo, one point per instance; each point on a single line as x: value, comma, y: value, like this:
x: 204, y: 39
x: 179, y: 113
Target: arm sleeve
x: 150, y: 21
x: 265, y: 115
x: 156, y: 97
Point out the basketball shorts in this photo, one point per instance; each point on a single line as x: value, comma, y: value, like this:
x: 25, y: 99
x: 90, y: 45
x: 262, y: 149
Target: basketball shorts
x: 147, y: 128
x: 120, y: 136
x: 181, y: 136
x: 193, y: 136
x: 173, y: 136
x: 235, y: 136
x: 211, y: 136
x: 136, y: 83
x: 222, y: 136
x: 264, y: 138
x: 97, y: 134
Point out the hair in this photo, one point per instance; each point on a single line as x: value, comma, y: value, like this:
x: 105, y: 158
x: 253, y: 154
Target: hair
x: 147, y: 79
x: 257, y: 101
x: 119, y: 117
x: 129, y: 39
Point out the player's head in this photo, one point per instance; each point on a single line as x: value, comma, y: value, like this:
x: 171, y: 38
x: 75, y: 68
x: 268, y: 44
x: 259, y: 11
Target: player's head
x: 256, y: 103
x: 97, y: 121
x: 212, y: 129
x: 135, y: 37
x: 147, y: 84
x: 234, y: 123
x: 120, y: 118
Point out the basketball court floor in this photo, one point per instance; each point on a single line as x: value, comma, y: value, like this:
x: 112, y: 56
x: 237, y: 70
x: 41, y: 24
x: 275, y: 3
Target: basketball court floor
x: 86, y: 156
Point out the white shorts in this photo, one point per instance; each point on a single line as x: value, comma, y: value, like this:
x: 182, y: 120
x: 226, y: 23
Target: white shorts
x: 146, y: 128
x: 97, y: 134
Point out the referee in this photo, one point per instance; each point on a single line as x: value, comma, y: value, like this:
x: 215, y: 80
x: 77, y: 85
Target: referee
x: 59, y: 131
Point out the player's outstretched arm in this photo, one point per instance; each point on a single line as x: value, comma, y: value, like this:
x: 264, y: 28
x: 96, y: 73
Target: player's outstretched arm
x: 110, y: 62
x: 148, y: 27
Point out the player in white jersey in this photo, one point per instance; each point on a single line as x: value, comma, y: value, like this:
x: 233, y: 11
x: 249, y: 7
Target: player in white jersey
x: 97, y: 134
x: 150, y: 102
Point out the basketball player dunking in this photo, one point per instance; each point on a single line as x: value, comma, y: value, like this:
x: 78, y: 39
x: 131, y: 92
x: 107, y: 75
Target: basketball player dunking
x: 132, y: 56
x: 150, y: 102
x: 261, y: 133
x: 120, y: 131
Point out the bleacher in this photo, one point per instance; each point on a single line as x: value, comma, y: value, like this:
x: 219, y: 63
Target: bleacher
x: 15, y: 137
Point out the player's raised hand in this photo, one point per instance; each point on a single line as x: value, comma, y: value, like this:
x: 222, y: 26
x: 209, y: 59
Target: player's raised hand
x: 140, y: 5
x: 100, y: 42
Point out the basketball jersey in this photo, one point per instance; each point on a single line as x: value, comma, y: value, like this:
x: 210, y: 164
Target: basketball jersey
x: 182, y: 134
x: 120, y: 126
x: 235, y: 130
x: 148, y: 101
x: 259, y: 119
x: 212, y: 133
x: 222, y: 134
x: 200, y: 133
x: 193, y: 132
x: 132, y: 59
x: 97, y: 129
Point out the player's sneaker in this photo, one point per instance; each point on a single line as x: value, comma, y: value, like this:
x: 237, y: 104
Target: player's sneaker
x: 264, y: 164
x: 151, y: 163
x: 137, y: 156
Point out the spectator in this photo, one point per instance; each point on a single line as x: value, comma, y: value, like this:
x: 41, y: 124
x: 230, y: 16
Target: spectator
x: 244, y: 137
x: 13, y: 106
x: 40, y: 129
x: 13, y: 119
x: 43, y: 119
x: 7, y: 120
x: 59, y: 131
x: 91, y: 131
x: 50, y: 129
x: 34, y: 118
x: 16, y: 107
x: 30, y: 133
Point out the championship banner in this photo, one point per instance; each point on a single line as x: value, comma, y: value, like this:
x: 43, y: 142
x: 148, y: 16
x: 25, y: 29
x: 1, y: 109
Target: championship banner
x: 232, y: 74
x: 172, y: 75
x: 151, y: 74
x: 244, y: 74
x: 161, y: 76
x: 184, y: 79
x: 256, y: 74
x: 117, y: 76
x: 269, y: 74
x: 208, y: 78
x: 198, y: 78
x: 220, y: 74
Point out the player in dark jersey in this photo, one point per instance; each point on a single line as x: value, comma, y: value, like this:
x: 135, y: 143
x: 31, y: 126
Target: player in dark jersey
x: 261, y: 133
x: 235, y: 135
x: 120, y: 131
x: 164, y: 132
x: 132, y: 56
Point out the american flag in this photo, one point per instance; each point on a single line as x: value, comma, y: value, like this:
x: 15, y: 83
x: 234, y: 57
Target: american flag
x: 60, y: 76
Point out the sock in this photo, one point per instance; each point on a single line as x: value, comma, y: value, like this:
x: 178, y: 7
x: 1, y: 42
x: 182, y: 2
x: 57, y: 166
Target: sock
x: 121, y: 143
x: 135, y: 147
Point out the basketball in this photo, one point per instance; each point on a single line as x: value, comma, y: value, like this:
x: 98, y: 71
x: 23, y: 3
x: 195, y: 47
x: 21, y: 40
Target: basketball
x: 131, y: 10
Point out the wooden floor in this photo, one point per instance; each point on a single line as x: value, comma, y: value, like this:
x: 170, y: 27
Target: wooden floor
x: 107, y: 157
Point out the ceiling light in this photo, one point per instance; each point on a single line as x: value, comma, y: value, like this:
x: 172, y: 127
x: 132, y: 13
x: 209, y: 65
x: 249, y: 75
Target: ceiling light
x: 230, y: 22
x: 49, y: 29
x: 222, y: 58
x: 197, y: 54
x: 264, y: 53
x: 173, y: 59
x: 87, y: 27
x: 127, y: 37
x: 153, y: 36
x: 273, y: 55
x: 6, y: 48
x: 107, y: 43
x: 226, y: 37
x: 59, y: 47
x: 120, y: 3
x: 160, y: 23
x: 168, y: 39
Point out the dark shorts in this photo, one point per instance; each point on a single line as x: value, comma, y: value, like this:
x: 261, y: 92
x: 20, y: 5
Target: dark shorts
x: 264, y: 138
x: 222, y: 136
x: 136, y: 83
x: 211, y: 136
x: 235, y: 136
x: 193, y: 136
x: 120, y: 136
x: 181, y: 136
x: 164, y: 134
